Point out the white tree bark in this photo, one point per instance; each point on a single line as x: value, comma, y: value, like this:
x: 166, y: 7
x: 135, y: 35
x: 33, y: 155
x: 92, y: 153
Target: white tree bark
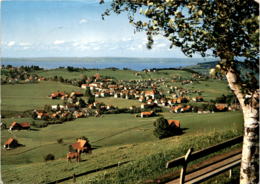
x: 250, y: 151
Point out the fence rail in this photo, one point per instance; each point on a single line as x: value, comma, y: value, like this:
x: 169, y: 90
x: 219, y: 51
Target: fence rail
x: 220, y: 166
x: 74, y: 176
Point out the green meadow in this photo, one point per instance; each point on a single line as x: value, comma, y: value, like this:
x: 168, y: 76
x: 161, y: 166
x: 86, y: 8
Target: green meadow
x: 117, y: 74
x: 115, y: 137
x: 107, y: 134
x: 22, y: 97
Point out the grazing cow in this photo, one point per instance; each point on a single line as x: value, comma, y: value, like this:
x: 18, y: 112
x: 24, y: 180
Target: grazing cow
x: 72, y: 155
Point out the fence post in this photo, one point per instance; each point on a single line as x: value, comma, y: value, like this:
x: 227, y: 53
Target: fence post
x: 74, y: 178
x: 184, y: 167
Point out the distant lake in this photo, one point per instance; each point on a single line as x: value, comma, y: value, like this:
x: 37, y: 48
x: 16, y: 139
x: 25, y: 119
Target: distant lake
x: 105, y: 62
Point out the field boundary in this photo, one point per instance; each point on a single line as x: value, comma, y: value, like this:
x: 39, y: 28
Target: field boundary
x: 74, y: 176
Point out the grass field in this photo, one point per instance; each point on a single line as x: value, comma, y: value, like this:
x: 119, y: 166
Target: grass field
x: 107, y: 134
x: 210, y: 89
x: 117, y: 138
x: 119, y: 102
x: 22, y: 97
x: 117, y: 74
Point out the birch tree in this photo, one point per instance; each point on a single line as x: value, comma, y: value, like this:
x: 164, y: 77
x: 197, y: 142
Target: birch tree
x: 225, y: 29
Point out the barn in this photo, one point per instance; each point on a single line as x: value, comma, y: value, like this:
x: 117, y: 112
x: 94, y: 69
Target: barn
x: 11, y: 143
x: 175, y: 123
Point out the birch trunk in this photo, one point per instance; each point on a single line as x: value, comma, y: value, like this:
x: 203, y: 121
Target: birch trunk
x: 249, y: 171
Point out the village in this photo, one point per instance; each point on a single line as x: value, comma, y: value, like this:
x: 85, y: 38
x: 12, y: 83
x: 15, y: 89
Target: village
x: 152, y: 100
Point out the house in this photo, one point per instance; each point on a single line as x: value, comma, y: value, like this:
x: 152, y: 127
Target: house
x: 15, y: 126
x: 57, y: 107
x: 56, y: 95
x: 76, y: 94
x: 94, y: 85
x: 152, y: 93
x: 163, y: 101
x: 112, y: 86
x: 182, y: 100
x: 84, y: 86
x: 141, y: 99
x: 186, y: 109
x: 97, y: 94
x: 42, y: 115
x: 221, y: 106
x: 147, y: 114
x: 97, y: 76
x: 109, y: 107
x: 82, y: 146
x: 55, y: 116
x: 172, y: 101
x: 150, y: 101
x: 132, y: 107
x: 116, y: 95
x: 198, y: 99
x: 25, y: 125
x: 78, y: 114
x: 71, y: 107
x: 176, y: 109
x: 41, y: 79
x: 175, y: 123
x: 144, y: 106
x: 11, y: 143
x: 104, y: 93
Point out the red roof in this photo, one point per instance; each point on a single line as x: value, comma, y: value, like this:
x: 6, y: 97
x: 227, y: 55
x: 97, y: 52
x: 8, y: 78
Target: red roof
x: 9, y: 141
x: 13, y: 124
x: 80, y: 144
x: 176, y: 123
x: 147, y: 113
x: 152, y: 92
x: 25, y: 125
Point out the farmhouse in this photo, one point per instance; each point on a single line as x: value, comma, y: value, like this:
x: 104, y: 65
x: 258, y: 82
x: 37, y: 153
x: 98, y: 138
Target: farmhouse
x: 147, y: 114
x: 17, y: 126
x: 153, y: 94
x: 186, y: 109
x: 182, y: 100
x: 198, y: 99
x: 176, y: 109
x: 175, y: 123
x: 57, y: 107
x: 11, y: 143
x: 84, y: 86
x: 76, y: 94
x: 56, y: 95
x: 42, y: 115
x: 221, y: 106
x: 81, y: 146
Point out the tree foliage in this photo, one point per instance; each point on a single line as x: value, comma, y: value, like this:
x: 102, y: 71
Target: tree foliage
x: 227, y: 29
x: 163, y: 129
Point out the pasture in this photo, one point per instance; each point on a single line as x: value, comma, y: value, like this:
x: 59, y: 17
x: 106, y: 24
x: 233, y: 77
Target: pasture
x: 22, y: 97
x: 117, y: 74
x: 119, y: 102
x: 116, y: 137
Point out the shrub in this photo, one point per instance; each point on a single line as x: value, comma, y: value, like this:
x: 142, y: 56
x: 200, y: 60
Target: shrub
x: 49, y: 157
x: 60, y: 141
x: 163, y: 129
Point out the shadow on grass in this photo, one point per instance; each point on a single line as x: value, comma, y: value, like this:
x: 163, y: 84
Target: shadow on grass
x: 34, y: 129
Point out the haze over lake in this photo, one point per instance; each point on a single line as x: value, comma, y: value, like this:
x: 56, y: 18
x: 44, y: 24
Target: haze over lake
x: 105, y: 62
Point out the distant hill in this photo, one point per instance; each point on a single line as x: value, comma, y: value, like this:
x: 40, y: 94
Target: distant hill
x: 208, y: 65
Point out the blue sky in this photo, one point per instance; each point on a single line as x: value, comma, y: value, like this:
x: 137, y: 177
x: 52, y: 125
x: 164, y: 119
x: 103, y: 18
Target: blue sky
x: 72, y: 28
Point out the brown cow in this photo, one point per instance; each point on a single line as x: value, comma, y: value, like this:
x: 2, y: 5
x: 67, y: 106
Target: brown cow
x: 72, y: 155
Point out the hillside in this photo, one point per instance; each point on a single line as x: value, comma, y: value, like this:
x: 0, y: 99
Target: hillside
x: 115, y: 137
